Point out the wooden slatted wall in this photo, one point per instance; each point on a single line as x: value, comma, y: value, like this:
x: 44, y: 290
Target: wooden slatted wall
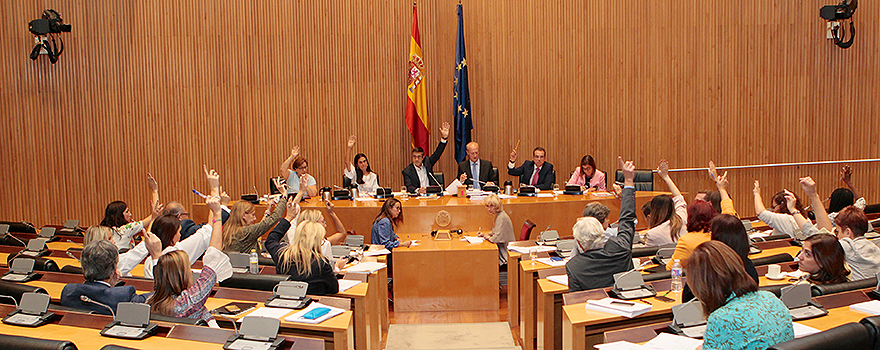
x: 166, y: 86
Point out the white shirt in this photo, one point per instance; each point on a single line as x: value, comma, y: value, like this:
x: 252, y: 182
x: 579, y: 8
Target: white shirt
x: 423, y: 175
x: 194, y: 246
x: 293, y: 183
x: 371, y: 181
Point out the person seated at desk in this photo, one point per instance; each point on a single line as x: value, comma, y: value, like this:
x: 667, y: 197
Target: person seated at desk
x: 597, y: 260
x: 844, y: 197
x: 96, y: 233
x: 416, y: 175
x: 241, y: 231
x: 728, y: 229
x: 99, y: 261
x: 300, y: 169
x: 739, y: 315
x: 502, y: 230
x: 187, y: 226
x: 668, y: 213
x: 389, y: 217
x: 778, y: 217
x: 313, y: 216
x: 536, y: 172
x: 118, y: 217
x: 174, y: 291
x: 360, y: 173
x: 302, y: 259
x: 587, y: 176
x: 474, y: 165
x: 824, y: 259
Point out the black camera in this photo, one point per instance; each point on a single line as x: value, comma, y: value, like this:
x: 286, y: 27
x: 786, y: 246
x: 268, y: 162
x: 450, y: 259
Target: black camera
x: 840, y: 12
x: 50, y: 22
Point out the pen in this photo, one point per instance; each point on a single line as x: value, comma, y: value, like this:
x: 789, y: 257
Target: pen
x: 199, y: 194
x: 645, y: 301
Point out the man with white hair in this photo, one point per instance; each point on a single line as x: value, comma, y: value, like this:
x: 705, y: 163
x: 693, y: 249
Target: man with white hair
x: 596, y: 260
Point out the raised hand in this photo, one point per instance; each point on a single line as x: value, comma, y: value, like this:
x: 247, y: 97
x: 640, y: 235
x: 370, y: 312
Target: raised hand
x: 153, y: 244
x: 156, y: 209
x: 757, y: 190
x: 212, y: 176
x: 444, y: 130
x: 846, y: 174
x: 663, y: 169
x: 352, y: 140
x: 282, y: 187
x: 513, y: 156
x: 292, y: 210
x: 462, y: 178
x: 152, y: 182
x: 213, y: 203
x: 294, y: 152
x: 629, y: 170
x: 790, y: 202
x: 808, y: 185
x: 329, y: 206
x: 721, y: 181
x: 224, y: 197
x: 712, y: 172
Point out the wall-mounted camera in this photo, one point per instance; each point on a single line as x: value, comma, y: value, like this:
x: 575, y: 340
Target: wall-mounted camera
x: 46, y: 29
x: 835, y: 14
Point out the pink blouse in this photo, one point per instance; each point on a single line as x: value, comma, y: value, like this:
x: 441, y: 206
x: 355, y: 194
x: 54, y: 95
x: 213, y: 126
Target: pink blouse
x: 598, y: 179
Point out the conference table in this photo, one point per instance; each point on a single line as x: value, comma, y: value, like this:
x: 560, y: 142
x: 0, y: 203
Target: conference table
x: 425, y: 214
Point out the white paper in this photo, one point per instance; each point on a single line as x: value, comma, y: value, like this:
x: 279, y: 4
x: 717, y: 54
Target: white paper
x: 505, y: 196
x: 453, y: 187
x: 345, y: 285
x: 794, y: 274
x: 472, y: 240
x: 619, y: 345
x: 365, y: 267
x: 869, y: 307
x: 297, y: 317
x: 617, y: 307
x: 383, y: 251
x: 561, y: 279
x: 760, y: 234
x: 478, y: 198
x: 271, y: 312
x: 551, y: 262
x: 673, y: 342
x: 602, y: 194
x: 801, y: 330
x: 415, y: 243
x: 366, y: 199
x: 525, y: 250
x: 545, y: 195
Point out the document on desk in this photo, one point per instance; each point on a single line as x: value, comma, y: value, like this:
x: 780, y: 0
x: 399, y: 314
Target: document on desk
x: 801, y: 330
x: 345, y: 285
x: 383, y: 251
x: 869, y: 307
x: 453, y: 187
x: 670, y: 341
x: 472, y: 240
x: 526, y: 250
x: 271, y: 312
x: 618, y: 307
x: 561, y: 279
x: 602, y: 194
x: 366, y: 199
x: 545, y: 195
x: 366, y: 267
x: 551, y: 262
x: 619, y: 345
x: 301, y: 315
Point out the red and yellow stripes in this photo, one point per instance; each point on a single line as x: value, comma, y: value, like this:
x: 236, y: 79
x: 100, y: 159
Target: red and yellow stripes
x: 416, y: 91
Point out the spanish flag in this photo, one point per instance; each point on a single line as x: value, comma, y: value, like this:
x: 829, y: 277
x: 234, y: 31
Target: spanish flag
x: 416, y: 91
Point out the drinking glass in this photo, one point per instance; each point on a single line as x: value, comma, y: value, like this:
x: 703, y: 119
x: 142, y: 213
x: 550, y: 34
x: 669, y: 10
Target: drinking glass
x: 533, y: 254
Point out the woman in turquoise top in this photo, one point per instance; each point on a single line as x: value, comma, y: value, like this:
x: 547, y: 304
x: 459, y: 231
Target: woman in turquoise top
x: 739, y: 316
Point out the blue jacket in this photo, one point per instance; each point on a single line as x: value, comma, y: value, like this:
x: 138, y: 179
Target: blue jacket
x: 100, y: 292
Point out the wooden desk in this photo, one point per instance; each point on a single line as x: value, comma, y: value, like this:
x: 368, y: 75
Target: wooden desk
x: 419, y: 213
x: 86, y: 338
x: 430, y: 276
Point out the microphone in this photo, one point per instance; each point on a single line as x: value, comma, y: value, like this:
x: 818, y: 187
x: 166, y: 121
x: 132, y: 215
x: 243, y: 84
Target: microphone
x: 11, y: 298
x: 799, y: 280
x: 215, y: 313
x: 23, y: 243
x: 69, y: 241
x: 431, y: 174
x: 86, y: 299
x: 633, y: 270
x: 28, y: 225
x: 71, y: 255
x: 59, y: 219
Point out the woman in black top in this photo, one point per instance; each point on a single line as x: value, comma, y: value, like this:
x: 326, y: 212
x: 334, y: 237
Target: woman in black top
x: 728, y: 229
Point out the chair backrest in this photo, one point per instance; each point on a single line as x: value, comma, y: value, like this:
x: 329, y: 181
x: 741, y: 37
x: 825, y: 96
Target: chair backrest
x: 583, y: 296
x: 825, y: 289
x: 644, y: 179
x: 872, y: 208
x: 773, y: 259
x: 76, y: 270
x: 40, y: 264
x: 439, y: 177
x: 180, y: 320
x: 551, y: 272
x: 342, y: 303
x: 28, y: 343
x: 495, y: 174
x: 253, y: 282
x: 848, y: 336
x: 346, y: 182
x: 15, y: 290
x: 526, y: 230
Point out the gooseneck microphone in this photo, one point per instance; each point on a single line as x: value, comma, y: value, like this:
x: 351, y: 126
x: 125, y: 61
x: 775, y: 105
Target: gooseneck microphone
x: 217, y: 314
x: 86, y: 299
x: 633, y: 270
x: 23, y: 243
x: 11, y: 298
x: 71, y: 255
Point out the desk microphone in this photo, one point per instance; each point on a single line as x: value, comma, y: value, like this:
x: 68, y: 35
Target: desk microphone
x: 783, y: 291
x: 23, y: 243
x: 215, y: 313
x: 86, y: 299
x: 69, y: 241
x: 431, y: 174
x: 29, y: 225
x: 71, y: 255
x: 633, y: 270
x: 11, y: 298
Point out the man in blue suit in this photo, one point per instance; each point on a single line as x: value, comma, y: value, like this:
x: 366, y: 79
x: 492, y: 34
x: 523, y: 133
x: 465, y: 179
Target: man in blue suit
x: 535, y: 172
x: 415, y: 175
x: 99, y: 262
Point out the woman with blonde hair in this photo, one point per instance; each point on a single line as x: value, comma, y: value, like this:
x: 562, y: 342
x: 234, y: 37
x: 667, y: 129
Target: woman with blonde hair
x: 96, y: 233
x: 241, y: 231
x: 302, y: 259
x: 502, y: 231
x: 175, y: 293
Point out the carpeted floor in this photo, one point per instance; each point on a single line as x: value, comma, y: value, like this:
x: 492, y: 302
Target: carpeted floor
x: 495, y: 335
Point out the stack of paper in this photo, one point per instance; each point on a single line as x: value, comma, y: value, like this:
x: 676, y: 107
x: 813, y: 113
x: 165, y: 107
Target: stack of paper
x: 618, y: 307
x: 673, y: 342
x: 298, y: 317
x: 602, y: 194
x: 869, y: 307
x: 472, y: 240
x: 271, y: 312
x: 453, y: 187
x: 345, y: 285
x: 802, y: 330
x: 551, y: 262
x: 545, y: 195
x: 365, y: 267
x: 526, y: 250
x: 383, y: 251
x: 505, y: 196
x: 619, y: 345
x: 561, y: 279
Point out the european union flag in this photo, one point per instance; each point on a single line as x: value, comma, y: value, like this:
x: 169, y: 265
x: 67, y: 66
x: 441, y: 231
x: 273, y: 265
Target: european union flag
x: 461, y: 95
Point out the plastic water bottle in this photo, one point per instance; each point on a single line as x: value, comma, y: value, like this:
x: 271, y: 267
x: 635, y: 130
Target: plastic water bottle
x: 255, y: 263
x: 676, y: 286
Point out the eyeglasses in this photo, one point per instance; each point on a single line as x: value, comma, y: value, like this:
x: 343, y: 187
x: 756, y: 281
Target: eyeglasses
x: 304, y: 167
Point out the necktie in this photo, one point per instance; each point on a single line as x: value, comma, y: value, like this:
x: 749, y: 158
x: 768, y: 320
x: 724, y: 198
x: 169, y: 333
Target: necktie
x: 475, y: 178
x: 535, y: 176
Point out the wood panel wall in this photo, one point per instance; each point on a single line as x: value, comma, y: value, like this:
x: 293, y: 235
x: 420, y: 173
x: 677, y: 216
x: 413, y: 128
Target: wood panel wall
x: 166, y: 86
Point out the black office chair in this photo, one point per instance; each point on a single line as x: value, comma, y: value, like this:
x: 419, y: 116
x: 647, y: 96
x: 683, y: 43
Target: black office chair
x: 873, y: 325
x: 40, y: 264
x: 346, y: 182
x: 494, y: 174
x: 28, y: 343
x: 15, y: 290
x: 773, y: 259
x: 253, y: 282
x: 850, y: 336
x: 825, y: 289
x: 179, y: 320
x: 439, y: 177
x: 116, y: 347
x: 644, y: 179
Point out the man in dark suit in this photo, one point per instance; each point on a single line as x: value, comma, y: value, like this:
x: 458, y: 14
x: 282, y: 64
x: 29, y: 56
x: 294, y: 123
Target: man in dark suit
x: 416, y: 175
x: 466, y: 169
x: 99, y: 263
x: 543, y: 178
